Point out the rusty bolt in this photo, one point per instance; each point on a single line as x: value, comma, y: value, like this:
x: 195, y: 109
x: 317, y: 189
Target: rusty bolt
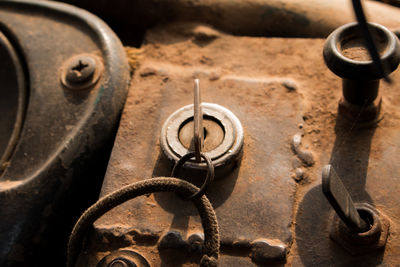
x: 172, y: 240
x: 81, y: 72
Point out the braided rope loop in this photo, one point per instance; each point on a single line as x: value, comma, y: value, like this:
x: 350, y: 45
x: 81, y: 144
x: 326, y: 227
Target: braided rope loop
x: 159, y: 184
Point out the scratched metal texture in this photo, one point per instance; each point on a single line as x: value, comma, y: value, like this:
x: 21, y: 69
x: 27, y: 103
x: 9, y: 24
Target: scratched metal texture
x: 277, y: 87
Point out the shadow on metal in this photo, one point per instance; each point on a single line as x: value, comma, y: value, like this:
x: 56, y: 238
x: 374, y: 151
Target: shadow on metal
x: 350, y: 157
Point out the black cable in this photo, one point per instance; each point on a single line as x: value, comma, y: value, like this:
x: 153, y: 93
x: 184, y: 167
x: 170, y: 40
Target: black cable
x: 369, y: 42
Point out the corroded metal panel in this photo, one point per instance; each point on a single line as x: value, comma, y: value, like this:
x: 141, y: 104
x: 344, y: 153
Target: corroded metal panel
x: 270, y: 207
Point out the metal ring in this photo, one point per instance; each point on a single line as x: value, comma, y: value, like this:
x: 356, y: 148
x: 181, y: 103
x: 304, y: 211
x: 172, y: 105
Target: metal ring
x: 209, y: 177
x: 355, y: 69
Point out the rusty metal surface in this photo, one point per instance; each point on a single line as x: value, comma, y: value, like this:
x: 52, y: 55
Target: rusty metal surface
x: 253, y: 202
x: 271, y: 208
x: 65, y: 134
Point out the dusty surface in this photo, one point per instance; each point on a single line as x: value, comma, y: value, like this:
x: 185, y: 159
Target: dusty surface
x: 355, y: 50
x: 277, y: 88
x: 356, y: 53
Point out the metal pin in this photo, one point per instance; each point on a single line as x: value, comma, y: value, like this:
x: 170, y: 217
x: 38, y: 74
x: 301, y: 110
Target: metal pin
x: 198, y: 122
x: 341, y: 201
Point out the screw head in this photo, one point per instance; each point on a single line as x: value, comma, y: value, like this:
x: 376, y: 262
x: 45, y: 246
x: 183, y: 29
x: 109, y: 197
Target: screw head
x: 81, y: 72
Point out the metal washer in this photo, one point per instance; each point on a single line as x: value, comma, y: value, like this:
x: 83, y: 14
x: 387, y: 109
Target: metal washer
x: 224, y: 155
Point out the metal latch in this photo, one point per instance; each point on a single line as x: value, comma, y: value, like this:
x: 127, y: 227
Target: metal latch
x: 361, y: 227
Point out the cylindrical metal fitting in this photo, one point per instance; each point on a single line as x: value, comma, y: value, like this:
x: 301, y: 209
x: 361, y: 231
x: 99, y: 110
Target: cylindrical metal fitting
x: 360, y: 92
x: 346, y: 56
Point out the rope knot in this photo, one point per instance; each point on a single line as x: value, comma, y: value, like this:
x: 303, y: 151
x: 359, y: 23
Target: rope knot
x: 207, y: 261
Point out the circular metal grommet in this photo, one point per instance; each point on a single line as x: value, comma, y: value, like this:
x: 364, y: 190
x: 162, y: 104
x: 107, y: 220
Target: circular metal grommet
x: 372, y: 235
x: 356, y: 66
x: 374, y: 238
x: 223, y: 155
x: 209, y: 176
x: 123, y: 258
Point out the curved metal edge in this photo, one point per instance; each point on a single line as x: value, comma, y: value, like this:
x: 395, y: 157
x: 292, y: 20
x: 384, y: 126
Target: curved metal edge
x: 112, y: 51
x: 349, y: 68
x: 209, y: 176
x: 22, y: 98
x: 173, y: 123
x: 55, y: 176
x: 222, y: 161
x: 299, y: 18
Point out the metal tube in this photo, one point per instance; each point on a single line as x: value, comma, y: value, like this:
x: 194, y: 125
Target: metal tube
x: 311, y: 18
x: 360, y: 92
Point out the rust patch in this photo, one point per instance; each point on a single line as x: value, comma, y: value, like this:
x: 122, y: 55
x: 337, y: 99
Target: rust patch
x: 277, y: 88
